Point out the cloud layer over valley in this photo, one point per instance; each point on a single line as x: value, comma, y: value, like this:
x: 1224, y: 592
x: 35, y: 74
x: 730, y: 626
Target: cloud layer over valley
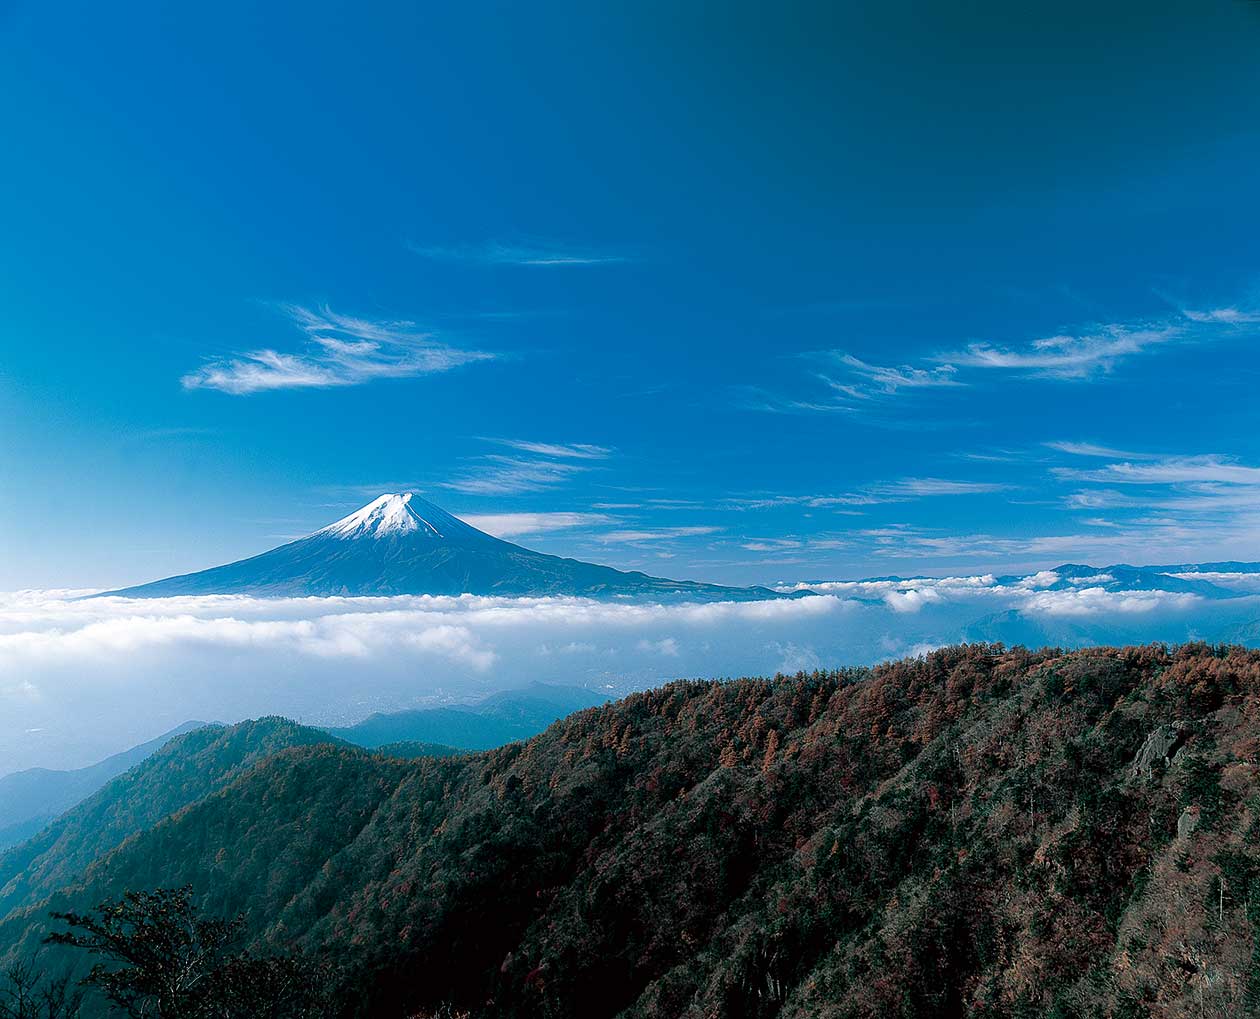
x: 139, y: 667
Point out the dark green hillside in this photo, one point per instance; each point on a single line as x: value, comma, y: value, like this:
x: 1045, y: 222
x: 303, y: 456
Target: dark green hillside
x: 984, y: 832
x: 408, y: 749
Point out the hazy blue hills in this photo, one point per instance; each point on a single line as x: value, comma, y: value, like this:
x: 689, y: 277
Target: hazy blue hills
x: 404, y: 545
x: 499, y: 719
x: 31, y: 799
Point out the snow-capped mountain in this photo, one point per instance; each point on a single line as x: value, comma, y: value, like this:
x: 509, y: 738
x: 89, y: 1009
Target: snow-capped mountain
x: 403, y: 544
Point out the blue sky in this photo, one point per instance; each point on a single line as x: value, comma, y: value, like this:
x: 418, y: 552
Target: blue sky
x: 819, y: 292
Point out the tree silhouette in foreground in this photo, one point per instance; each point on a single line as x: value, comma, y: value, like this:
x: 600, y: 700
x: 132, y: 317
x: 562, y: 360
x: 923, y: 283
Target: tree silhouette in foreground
x: 27, y: 994
x: 160, y: 959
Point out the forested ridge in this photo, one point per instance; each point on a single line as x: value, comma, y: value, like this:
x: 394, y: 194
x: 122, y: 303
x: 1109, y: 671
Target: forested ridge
x: 983, y: 832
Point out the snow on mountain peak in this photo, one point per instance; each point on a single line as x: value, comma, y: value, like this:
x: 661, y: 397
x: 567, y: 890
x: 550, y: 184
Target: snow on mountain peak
x: 385, y: 517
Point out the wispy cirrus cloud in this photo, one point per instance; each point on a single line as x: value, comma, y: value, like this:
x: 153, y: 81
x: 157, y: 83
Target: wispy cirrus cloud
x: 511, y: 525
x: 1142, y: 543
x: 535, y: 467
x: 771, y: 544
x: 1096, y: 499
x: 1073, y: 357
x: 1099, y: 349
x: 509, y: 475
x: 341, y: 350
x: 852, y: 385
x: 1226, y: 316
x: 864, y: 381
x: 567, y: 451
x: 535, y: 253
x: 1090, y: 449
x: 1182, y: 470
x: 1204, y: 501
x: 636, y: 536
x: 918, y: 488
x: 876, y: 493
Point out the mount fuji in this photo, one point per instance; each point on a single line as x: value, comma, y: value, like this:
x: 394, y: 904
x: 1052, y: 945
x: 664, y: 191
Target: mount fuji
x: 402, y: 544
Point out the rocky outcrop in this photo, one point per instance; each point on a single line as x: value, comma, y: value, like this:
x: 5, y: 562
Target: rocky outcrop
x: 1160, y: 748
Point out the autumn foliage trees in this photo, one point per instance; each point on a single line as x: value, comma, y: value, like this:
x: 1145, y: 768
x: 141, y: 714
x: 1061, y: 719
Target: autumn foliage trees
x: 962, y: 834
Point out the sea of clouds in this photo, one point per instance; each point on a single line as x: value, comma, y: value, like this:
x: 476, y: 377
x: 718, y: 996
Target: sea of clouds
x: 84, y: 677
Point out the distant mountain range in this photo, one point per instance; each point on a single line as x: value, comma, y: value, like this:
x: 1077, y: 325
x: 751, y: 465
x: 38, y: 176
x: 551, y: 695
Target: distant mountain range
x: 499, y: 719
x: 1209, y: 580
x: 1070, y: 605
x: 402, y: 544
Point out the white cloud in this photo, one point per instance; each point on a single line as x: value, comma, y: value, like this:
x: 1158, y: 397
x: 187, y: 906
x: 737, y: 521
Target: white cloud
x: 1096, y: 601
x: 341, y: 351
x: 912, y: 600
x: 1033, y: 596
x: 140, y: 667
x: 509, y: 525
x: 881, y: 588
x: 667, y: 646
x: 1245, y: 582
x: 1030, y: 595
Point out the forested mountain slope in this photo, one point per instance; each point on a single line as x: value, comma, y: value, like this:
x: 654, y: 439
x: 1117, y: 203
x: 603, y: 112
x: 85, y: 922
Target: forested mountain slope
x: 984, y: 832
x: 183, y: 771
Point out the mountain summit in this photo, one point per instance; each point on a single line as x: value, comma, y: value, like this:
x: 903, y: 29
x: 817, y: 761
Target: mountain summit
x: 403, y: 544
x: 391, y: 516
